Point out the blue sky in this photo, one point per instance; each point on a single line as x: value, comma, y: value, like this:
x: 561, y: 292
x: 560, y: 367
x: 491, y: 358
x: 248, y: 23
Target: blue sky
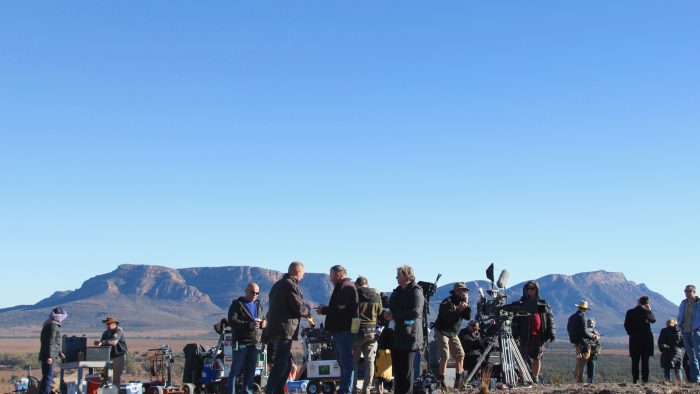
x: 545, y: 137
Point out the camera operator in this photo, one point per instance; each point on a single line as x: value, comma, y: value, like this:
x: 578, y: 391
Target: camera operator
x: 452, y: 310
x: 406, y: 309
x: 533, y: 330
x: 473, y: 344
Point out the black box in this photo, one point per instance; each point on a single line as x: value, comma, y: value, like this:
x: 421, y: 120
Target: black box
x: 97, y: 353
x: 71, y: 346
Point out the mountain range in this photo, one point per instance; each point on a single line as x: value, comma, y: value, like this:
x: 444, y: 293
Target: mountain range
x: 149, y: 298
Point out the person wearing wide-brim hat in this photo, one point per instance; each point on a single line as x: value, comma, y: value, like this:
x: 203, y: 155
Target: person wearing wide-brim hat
x: 579, y: 336
x: 113, y: 337
x: 452, y: 310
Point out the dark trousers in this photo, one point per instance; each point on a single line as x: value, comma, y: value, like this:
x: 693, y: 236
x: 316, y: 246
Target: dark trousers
x: 590, y: 370
x: 46, y: 378
x: 402, y: 366
x: 635, y: 368
x: 245, y: 359
x: 280, y: 366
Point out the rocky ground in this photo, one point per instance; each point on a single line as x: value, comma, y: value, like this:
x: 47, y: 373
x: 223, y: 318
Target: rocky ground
x: 601, y: 388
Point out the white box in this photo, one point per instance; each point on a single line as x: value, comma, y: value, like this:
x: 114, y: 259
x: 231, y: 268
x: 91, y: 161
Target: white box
x: 323, y: 369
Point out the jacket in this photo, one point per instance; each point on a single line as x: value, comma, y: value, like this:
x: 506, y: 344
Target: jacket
x: 449, y: 317
x: 521, y: 324
x: 370, y: 308
x: 472, y: 342
x: 670, y: 344
x: 239, y: 318
x: 580, y: 333
x: 696, y: 316
x: 286, y: 308
x: 115, y: 339
x: 342, y: 307
x: 638, y: 326
x: 50, y: 340
x: 406, y: 306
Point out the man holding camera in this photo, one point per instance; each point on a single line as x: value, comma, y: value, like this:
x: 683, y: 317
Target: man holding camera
x: 452, y: 310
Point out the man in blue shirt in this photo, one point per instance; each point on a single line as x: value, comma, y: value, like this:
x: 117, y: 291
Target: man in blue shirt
x: 689, y: 322
x: 246, y: 320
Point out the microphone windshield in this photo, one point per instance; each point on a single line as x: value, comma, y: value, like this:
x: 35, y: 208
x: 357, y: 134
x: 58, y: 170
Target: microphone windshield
x: 502, y: 279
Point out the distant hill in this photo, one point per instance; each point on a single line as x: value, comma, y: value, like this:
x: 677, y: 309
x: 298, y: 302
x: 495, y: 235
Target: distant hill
x: 149, y: 298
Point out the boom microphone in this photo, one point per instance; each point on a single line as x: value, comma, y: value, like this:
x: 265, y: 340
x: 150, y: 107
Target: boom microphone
x: 502, y: 279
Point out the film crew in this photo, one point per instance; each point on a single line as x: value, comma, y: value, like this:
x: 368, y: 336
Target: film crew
x: 113, y: 337
x: 406, y: 310
x: 245, y: 317
x: 689, y: 323
x: 595, y: 350
x: 452, y: 310
x: 473, y: 344
x: 286, y: 309
x: 365, y: 345
x: 579, y: 335
x: 50, y: 349
x: 638, y: 322
x: 340, y: 311
x: 670, y: 344
x: 534, y: 330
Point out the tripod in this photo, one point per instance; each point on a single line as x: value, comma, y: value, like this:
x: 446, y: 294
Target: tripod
x: 512, y: 363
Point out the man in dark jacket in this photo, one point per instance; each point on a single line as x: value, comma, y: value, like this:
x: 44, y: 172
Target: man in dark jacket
x: 286, y: 308
x: 50, y: 349
x: 365, y: 344
x: 341, y: 310
x: 245, y: 318
x: 641, y: 340
x: 580, y: 335
x: 532, y: 331
x: 406, y: 310
x: 452, y: 310
x: 113, y: 337
x: 473, y: 345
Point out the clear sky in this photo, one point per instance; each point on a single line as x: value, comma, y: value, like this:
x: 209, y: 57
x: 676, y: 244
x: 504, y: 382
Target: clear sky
x: 543, y: 136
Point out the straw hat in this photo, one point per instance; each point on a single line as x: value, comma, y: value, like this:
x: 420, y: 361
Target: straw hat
x: 583, y: 305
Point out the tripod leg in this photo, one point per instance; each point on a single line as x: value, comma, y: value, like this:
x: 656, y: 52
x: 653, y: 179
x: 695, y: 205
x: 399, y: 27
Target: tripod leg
x: 520, y: 363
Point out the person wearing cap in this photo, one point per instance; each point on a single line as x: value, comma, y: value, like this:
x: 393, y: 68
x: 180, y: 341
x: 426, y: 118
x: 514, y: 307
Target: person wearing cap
x: 365, y: 345
x: 638, y: 322
x: 473, y: 344
x: 50, y: 349
x: 579, y: 335
x: 533, y: 330
x: 452, y: 310
x: 113, y: 337
x: 670, y: 344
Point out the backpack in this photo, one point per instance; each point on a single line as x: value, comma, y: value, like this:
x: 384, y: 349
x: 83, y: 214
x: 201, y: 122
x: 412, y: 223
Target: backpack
x: 572, y: 329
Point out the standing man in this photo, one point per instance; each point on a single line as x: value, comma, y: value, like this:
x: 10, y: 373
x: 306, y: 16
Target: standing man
x: 246, y: 320
x: 641, y: 342
x: 532, y: 331
x: 286, y: 308
x: 689, y: 323
x: 452, y: 310
x: 365, y: 344
x: 579, y: 335
x: 406, y: 309
x: 341, y: 309
x: 113, y: 337
x: 50, y: 349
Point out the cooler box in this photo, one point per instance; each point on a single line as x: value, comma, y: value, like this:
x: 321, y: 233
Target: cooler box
x: 97, y: 353
x: 323, y: 369
x: 94, y: 382
x: 131, y: 388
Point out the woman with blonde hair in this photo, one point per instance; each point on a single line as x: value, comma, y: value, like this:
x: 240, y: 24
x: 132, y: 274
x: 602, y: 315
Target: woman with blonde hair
x: 671, y: 346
